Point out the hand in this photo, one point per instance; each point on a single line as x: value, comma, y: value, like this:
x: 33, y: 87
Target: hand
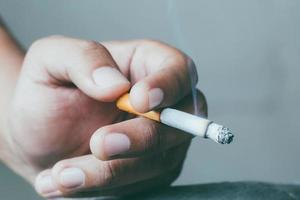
x: 64, y: 133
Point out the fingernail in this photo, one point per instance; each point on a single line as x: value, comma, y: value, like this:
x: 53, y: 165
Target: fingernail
x: 156, y: 96
x: 45, y: 185
x: 71, y: 178
x: 108, y: 77
x: 116, y: 143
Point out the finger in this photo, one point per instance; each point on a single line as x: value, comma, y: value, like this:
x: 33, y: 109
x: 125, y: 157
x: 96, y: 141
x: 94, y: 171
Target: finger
x: 136, y: 137
x: 88, y: 173
x: 142, y: 136
x: 162, y: 74
x: 131, y: 190
x: 47, y: 185
x: 86, y: 64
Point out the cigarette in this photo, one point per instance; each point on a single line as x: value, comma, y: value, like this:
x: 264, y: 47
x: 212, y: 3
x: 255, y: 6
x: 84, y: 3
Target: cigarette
x: 186, y: 122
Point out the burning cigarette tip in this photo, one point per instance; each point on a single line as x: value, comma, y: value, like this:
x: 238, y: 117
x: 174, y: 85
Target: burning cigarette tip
x: 225, y: 136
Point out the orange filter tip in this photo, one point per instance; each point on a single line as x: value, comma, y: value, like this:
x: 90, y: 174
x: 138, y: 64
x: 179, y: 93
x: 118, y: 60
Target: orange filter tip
x: 123, y: 103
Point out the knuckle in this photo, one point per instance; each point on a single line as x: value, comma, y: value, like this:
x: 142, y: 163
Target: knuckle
x: 152, y: 139
x: 39, y: 47
x: 60, y: 165
x: 39, y: 43
x: 108, y: 175
x: 151, y: 42
x: 94, y: 52
x: 88, y: 46
x: 36, y: 45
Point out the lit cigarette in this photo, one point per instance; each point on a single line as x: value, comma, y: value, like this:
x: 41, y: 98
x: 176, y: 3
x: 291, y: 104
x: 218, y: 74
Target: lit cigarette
x: 186, y: 122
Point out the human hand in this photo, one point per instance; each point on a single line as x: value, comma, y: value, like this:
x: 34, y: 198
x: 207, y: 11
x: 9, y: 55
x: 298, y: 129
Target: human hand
x: 64, y: 132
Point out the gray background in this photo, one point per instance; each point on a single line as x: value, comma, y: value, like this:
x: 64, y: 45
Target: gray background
x: 248, y: 56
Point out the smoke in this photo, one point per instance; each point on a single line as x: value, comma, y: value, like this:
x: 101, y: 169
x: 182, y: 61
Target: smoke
x: 181, y: 43
x: 174, y: 19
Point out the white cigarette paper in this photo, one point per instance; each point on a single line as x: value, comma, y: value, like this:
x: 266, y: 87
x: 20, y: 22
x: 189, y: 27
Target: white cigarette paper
x: 186, y: 122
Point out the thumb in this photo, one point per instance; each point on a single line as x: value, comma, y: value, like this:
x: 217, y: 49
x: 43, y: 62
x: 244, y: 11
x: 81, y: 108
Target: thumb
x: 85, y: 64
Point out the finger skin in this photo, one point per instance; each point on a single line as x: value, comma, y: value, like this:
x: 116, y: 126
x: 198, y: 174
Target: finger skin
x: 63, y: 61
x: 154, y: 65
x: 131, y: 190
x: 149, y: 65
x: 145, y: 136
x: 105, y: 176
x: 173, y: 81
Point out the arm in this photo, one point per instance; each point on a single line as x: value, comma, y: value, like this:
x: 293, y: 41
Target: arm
x: 11, y: 57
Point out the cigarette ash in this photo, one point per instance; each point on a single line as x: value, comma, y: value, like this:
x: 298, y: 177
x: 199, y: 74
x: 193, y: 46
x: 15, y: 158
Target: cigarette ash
x: 225, y: 136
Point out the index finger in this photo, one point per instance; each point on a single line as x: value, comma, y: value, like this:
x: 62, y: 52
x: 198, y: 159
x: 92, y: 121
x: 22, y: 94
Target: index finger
x: 161, y: 75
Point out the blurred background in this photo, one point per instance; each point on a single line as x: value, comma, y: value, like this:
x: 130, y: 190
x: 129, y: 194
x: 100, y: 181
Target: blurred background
x: 248, y: 59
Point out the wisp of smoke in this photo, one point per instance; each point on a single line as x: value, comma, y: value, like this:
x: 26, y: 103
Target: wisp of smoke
x: 180, y: 42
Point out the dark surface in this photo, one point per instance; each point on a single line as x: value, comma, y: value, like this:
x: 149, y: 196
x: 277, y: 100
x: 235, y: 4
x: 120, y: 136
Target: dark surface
x: 211, y: 191
x: 225, y: 191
